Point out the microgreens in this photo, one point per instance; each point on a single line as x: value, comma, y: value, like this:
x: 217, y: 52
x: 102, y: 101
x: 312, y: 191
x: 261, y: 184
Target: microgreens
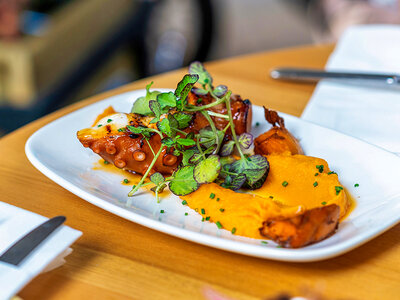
x: 206, y: 156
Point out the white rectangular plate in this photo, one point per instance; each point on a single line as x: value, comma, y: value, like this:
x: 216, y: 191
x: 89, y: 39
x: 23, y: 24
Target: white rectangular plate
x: 56, y: 152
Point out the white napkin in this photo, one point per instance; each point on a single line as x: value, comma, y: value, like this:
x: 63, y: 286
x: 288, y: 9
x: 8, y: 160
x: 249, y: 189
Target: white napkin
x: 14, y: 224
x: 367, y: 112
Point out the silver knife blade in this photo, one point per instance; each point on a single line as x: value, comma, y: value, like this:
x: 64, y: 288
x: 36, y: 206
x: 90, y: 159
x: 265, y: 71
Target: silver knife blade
x: 295, y: 74
x: 24, y: 246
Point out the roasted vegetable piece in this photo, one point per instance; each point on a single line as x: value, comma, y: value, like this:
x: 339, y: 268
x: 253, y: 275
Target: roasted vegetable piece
x: 278, y: 139
x: 309, y: 227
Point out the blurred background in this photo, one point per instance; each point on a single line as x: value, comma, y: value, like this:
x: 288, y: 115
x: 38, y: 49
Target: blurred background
x: 56, y: 52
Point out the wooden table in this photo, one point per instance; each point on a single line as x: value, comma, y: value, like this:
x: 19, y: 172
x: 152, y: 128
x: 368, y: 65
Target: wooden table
x: 118, y: 259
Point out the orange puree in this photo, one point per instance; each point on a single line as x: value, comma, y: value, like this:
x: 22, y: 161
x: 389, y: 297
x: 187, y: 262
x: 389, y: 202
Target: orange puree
x: 299, y: 172
x: 245, y: 212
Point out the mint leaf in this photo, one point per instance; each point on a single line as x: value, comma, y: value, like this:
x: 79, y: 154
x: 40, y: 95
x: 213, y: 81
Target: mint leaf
x: 141, y: 105
x: 220, y: 91
x: 157, y: 178
x: 227, y: 148
x: 166, y: 100
x: 183, y: 182
x: 207, y: 170
x: 245, y: 140
x: 183, y: 88
x: 198, y: 68
x: 155, y: 108
x: 183, y: 119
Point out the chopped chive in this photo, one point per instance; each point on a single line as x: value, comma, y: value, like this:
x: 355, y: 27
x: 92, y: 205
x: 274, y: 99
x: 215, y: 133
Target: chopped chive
x: 219, y: 225
x: 162, y: 211
x: 99, y: 125
x: 331, y: 172
x: 316, y: 174
x: 264, y: 242
x: 285, y: 183
x: 199, y: 101
x: 212, y: 195
x: 184, y: 202
x: 315, y: 184
x: 356, y: 185
x: 202, y: 219
x: 126, y: 180
x: 203, y: 211
x: 208, y: 218
x: 257, y: 124
x: 323, y: 203
x: 320, y: 168
x: 221, y: 209
x: 217, y: 199
x: 233, y: 230
x: 279, y: 246
x: 109, y: 120
x: 272, y: 197
x: 338, y: 189
x: 106, y: 162
x: 186, y: 214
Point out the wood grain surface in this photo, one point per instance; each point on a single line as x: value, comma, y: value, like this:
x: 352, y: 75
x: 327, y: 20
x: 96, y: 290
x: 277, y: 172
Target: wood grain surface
x: 118, y: 259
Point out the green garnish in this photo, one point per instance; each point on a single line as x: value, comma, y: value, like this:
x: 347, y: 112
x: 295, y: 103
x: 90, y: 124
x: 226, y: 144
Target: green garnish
x: 109, y: 120
x: 219, y: 225
x: 316, y: 174
x: 264, y: 242
x: 233, y: 230
x: 257, y: 124
x: 331, y: 172
x: 121, y: 129
x: 217, y: 199
x: 106, y: 162
x: 206, y: 155
x: 222, y: 209
x: 126, y: 180
x: 203, y: 211
x: 184, y: 202
x: 186, y: 214
x: 285, y: 183
x: 279, y: 246
x: 207, y: 218
x: 356, y: 185
x: 272, y: 197
x: 315, y: 184
x: 162, y: 211
x: 320, y: 168
x: 202, y: 219
x: 323, y: 203
x: 99, y: 125
x: 338, y: 189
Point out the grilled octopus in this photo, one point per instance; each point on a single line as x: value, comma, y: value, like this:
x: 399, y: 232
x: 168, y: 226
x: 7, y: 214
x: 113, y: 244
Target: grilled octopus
x: 132, y: 153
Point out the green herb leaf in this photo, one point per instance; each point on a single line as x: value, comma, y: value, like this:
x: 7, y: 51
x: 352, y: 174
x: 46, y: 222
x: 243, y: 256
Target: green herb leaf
x: 146, y: 132
x: 183, y: 182
x: 141, y: 105
x: 164, y: 127
x: 254, y: 167
x: 186, y: 142
x: 167, y: 141
x: 199, y: 92
x: 220, y: 91
x: 245, y: 140
x: 198, y: 68
x: 155, y: 108
x: 187, y: 155
x: 157, y: 178
x: 166, y: 100
x: 183, y: 119
x: 183, y: 88
x: 207, y: 170
x: 208, y: 138
x: 234, y: 182
x: 227, y: 148
x: 258, y: 184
